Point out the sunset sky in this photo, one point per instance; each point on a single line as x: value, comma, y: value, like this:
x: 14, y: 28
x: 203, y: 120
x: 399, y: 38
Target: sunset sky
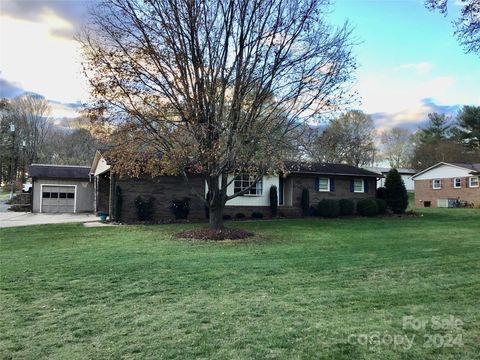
x: 410, y: 64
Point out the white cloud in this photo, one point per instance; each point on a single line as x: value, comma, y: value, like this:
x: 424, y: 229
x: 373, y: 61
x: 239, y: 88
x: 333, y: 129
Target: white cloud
x: 39, y: 61
x: 421, y: 68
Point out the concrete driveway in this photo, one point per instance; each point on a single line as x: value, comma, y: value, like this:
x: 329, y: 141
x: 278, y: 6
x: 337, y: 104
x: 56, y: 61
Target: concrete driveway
x: 11, y: 219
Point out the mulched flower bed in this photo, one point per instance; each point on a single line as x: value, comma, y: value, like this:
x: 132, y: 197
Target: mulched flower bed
x: 210, y: 234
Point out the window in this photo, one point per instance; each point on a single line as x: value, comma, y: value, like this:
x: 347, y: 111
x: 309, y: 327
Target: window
x: 323, y: 184
x: 63, y: 195
x: 437, y: 183
x: 242, y: 182
x: 457, y: 183
x: 358, y: 186
x: 474, y: 181
x: 54, y: 195
x: 46, y: 195
x: 70, y: 196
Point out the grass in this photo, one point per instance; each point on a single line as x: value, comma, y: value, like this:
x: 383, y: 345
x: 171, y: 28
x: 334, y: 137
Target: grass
x: 298, y: 290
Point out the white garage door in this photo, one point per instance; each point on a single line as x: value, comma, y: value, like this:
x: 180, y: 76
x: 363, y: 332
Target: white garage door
x: 58, y: 199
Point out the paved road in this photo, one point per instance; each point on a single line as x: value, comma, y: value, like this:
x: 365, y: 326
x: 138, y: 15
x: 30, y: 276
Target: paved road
x: 11, y: 219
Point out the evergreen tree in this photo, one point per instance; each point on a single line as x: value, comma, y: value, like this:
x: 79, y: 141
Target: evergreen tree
x: 395, y: 192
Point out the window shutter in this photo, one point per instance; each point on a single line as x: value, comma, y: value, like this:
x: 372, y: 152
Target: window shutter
x: 365, y: 185
x: 453, y: 182
x: 467, y: 182
x: 317, y: 184
x: 332, y: 184
x: 352, y: 185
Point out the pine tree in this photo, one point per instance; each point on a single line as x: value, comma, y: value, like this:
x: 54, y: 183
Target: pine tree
x: 395, y: 192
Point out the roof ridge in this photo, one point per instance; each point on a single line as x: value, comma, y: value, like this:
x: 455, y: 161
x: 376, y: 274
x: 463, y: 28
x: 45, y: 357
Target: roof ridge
x: 76, y: 166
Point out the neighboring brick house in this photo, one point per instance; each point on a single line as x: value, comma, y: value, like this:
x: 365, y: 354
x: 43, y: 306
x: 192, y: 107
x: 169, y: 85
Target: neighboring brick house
x: 445, y: 183
x: 322, y: 180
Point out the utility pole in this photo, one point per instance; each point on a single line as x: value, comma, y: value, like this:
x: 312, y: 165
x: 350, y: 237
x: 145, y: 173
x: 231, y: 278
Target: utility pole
x: 12, y: 164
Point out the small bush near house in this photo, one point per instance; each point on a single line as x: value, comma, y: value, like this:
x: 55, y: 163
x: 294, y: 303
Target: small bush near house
x: 381, y: 193
x: 312, y: 211
x: 273, y: 201
x: 328, y: 208
x: 305, y: 202
x: 381, y: 205
x: 257, y: 215
x: 145, y: 208
x: 367, y: 207
x: 180, y: 208
x: 396, y: 194
x: 118, y: 204
x: 240, y: 216
x: 347, y: 207
x: 227, y: 217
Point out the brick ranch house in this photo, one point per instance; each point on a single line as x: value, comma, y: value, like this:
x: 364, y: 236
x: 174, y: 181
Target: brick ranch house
x: 322, y: 180
x: 444, y: 183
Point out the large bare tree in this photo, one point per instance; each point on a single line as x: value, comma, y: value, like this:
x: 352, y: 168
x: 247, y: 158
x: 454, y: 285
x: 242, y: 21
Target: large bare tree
x: 212, y: 87
x: 397, y: 147
x: 348, y: 139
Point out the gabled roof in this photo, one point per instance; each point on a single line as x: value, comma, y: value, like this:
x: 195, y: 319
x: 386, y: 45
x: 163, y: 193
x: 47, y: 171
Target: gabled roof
x: 473, y: 167
x: 327, y: 169
x: 45, y: 171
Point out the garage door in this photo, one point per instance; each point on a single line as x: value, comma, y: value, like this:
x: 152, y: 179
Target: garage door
x: 58, y: 199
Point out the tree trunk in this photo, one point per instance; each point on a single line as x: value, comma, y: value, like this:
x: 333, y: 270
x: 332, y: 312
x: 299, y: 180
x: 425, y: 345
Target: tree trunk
x: 216, y: 217
x: 216, y: 203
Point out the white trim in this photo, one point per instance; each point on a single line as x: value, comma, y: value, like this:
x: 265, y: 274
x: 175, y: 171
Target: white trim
x: 328, y: 184
x: 363, y: 185
x: 433, y: 184
x: 455, y: 183
x: 61, y: 185
x: 470, y: 181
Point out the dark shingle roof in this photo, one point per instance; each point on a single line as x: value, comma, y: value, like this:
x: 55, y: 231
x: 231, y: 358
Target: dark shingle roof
x: 59, y: 171
x: 474, y: 167
x: 327, y: 169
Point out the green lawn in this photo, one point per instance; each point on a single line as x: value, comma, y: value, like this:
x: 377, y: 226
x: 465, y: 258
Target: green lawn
x: 302, y: 289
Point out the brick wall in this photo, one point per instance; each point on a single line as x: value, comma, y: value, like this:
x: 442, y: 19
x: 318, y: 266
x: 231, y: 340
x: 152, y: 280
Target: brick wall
x: 163, y: 189
x: 342, y: 189
x: 424, y: 192
x: 167, y: 188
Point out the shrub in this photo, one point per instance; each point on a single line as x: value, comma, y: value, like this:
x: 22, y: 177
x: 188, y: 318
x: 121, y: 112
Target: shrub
x: 240, y: 216
x: 273, y: 201
x: 329, y: 208
x: 118, y: 204
x: 257, y: 215
x: 180, y: 208
x: 227, y: 217
x: 381, y: 205
x: 367, y: 207
x: 347, y: 207
x: 305, y: 201
x: 381, y: 193
x: 312, y: 211
x: 396, y: 194
x: 145, y: 208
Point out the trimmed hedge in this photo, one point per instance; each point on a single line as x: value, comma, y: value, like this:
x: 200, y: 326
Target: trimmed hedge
x: 273, y: 200
x: 382, y: 206
x: 347, y: 207
x: 367, y: 207
x: 257, y: 215
x: 240, y: 216
x: 305, y: 202
x: 328, y: 208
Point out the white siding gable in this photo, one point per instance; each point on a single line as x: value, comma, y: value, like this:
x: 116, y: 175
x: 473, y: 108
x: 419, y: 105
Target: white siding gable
x: 444, y: 171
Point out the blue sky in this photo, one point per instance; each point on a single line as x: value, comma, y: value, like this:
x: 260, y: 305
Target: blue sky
x: 410, y: 63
